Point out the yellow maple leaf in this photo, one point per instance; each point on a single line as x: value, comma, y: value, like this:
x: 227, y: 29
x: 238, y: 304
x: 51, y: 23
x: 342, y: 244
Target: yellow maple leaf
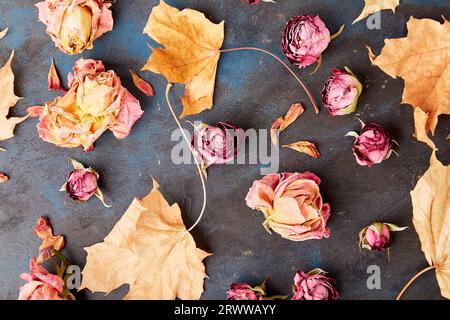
x: 372, y: 6
x: 7, y: 100
x: 422, y: 60
x: 431, y: 219
x: 190, y: 54
x: 149, y: 249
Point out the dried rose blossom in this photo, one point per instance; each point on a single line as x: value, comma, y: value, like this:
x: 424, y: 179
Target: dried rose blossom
x: 341, y: 92
x: 74, y: 24
x: 216, y: 144
x: 95, y: 102
x: 82, y: 184
x: 314, y: 285
x: 41, y: 285
x: 292, y: 205
x: 305, y: 38
x: 243, y: 291
x: 377, y: 236
x: 372, y: 145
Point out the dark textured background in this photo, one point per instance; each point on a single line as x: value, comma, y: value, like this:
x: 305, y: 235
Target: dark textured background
x: 251, y: 91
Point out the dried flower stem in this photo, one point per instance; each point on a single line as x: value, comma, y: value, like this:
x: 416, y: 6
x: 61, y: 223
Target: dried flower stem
x: 308, y: 93
x: 169, y: 85
x: 412, y: 280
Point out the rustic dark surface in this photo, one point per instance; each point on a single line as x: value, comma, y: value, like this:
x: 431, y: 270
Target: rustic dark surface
x: 251, y: 91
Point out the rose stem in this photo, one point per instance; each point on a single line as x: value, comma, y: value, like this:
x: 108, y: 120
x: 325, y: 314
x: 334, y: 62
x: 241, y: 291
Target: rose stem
x: 412, y: 280
x: 169, y: 85
x: 284, y: 64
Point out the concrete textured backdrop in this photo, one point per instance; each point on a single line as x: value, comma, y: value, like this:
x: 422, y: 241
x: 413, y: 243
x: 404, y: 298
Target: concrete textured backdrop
x: 251, y: 91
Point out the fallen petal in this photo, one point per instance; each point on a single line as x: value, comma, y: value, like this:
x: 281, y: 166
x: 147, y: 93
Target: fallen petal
x: 3, y: 178
x: 305, y: 147
x: 142, y: 85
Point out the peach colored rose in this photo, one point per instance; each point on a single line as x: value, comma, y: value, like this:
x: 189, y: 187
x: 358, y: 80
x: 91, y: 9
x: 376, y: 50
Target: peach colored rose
x: 292, y: 205
x: 95, y: 102
x: 74, y: 24
x: 41, y: 285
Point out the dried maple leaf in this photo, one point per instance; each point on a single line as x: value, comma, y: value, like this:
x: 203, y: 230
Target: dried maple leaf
x: 372, y: 6
x: 190, y: 54
x: 149, y: 249
x: 285, y: 121
x: 422, y: 61
x: 431, y: 219
x: 305, y: 147
x: 142, y: 85
x: 44, y: 231
x: 7, y: 100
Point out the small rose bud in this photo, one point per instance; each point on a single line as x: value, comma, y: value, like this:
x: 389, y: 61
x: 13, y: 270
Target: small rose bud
x: 243, y: 291
x: 341, y: 92
x: 314, y: 285
x: 372, y: 145
x: 304, y: 39
x: 81, y: 184
x: 216, y: 144
x: 377, y: 235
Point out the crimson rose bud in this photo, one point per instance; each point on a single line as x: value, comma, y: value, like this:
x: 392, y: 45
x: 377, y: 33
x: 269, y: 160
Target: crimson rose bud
x: 341, y: 92
x: 372, y: 145
x: 377, y: 235
x: 81, y: 184
x: 304, y: 39
x: 314, y: 285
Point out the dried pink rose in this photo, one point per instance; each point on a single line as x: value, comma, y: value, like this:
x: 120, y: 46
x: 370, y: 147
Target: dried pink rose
x: 243, y: 291
x: 305, y: 38
x: 341, y: 92
x: 252, y: 1
x: 372, y: 145
x: 377, y: 235
x: 81, y: 184
x: 314, y: 285
x: 95, y: 102
x: 74, y: 24
x: 41, y: 285
x: 216, y: 144
x: 292, y: 205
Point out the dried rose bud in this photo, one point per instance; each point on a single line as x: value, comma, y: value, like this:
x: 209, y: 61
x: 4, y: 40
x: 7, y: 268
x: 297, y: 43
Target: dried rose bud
x: 377, y: 235
x: 341, y: 92
x: 243, y: 291
x: 314, y: 285
x: 304, y: 39
x: 372, y: 145
x: 74, y: 25
x: 216, y: 144
x: 81, y: 184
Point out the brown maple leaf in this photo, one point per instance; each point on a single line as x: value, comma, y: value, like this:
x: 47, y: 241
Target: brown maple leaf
x: 190, y: 54
x: 431, y: 219
x: 372, y: 6
x: 422, y: 60
x: 7, y: 100
x: 149, y: 249
x: 50, y: 243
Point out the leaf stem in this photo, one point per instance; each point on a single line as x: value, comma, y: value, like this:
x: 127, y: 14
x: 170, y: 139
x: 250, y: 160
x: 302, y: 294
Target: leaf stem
x: 308, y: 93
x: 169, y: 85
x: 412, y: 280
